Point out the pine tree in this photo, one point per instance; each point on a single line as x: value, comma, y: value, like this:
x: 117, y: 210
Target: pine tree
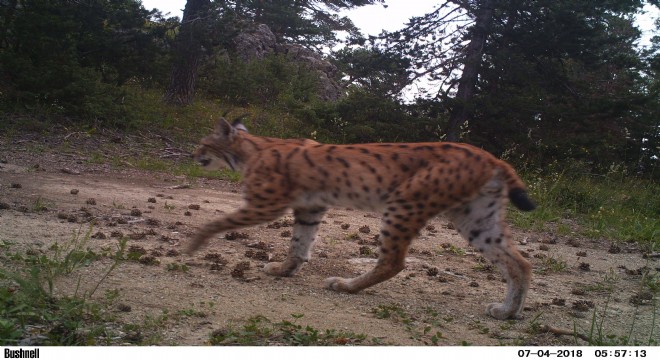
x: 188, y: 52
x: 548, y: 74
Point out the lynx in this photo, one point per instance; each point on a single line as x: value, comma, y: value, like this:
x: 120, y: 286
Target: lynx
x: 408, y: 183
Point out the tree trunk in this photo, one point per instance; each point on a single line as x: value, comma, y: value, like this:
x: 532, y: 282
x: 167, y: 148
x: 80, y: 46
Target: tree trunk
x: 8, y: 19
x: 461, y: 111
x: 187, y: 53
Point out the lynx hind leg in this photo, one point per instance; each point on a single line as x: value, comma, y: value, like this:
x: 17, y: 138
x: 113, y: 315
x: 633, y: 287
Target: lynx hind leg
x: 306, y: 224
x: 481, y: 222
x: 395, y: 238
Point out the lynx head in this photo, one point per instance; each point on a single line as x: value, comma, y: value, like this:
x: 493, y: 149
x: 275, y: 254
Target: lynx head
x: 220, y: 149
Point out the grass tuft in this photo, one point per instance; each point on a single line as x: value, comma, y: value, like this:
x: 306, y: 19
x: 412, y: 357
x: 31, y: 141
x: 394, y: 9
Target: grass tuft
x: 612, y: 207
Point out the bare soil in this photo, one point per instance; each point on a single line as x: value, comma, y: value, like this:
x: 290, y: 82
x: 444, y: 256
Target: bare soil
x: 444, y: 287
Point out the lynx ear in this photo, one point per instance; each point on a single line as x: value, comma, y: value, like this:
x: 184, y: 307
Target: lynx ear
x: 224, y: 129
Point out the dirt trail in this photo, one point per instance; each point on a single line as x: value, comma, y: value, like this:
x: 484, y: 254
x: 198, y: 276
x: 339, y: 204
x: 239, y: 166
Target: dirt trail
x: 444, y: 287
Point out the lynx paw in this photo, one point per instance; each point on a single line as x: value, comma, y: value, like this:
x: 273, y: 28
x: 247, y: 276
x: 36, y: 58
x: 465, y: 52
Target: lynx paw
x: 339, y: 284
x: 500, y: 312
x: 279, y: 269
x: 274, y: 269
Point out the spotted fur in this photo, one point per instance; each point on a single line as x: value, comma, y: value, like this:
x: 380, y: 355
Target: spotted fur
x: 408, y: 183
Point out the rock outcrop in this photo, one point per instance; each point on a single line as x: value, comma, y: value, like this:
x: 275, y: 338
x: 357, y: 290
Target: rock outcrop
x: 261, y: 42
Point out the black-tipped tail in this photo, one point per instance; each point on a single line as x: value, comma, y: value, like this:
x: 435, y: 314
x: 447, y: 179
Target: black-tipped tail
x: 520, y: 199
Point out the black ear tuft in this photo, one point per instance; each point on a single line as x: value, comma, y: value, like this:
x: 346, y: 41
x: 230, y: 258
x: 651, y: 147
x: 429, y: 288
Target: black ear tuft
x: 223, y: 128
x: 238, y: 125
x: 239, y: 118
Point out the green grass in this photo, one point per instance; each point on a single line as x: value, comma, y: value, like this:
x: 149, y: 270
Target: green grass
x: 552, y: 264
x: 149, y: 331
x: 421, y: 326
x: 27, y: 296
x: 40, y: 204
x: 184, y: 167
x: 597, y: 334
x: 613, y: 207
x: 259, y: 330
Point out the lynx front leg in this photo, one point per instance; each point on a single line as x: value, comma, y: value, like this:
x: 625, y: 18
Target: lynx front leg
x: 242, y: 218
x: 306, y: 224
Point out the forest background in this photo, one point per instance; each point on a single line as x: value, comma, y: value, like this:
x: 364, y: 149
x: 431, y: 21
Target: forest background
x: 561, y: 89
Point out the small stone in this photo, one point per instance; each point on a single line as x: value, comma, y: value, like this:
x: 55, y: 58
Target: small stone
x: 261, y: 256
x: 432, y: 271
x: 136, y: 212
x: 16, y: 186
x: 216, y: 266
x: 614, y: 249
x: 193, y: 207
x: 366, y: 251
x: 239, y: 269
x: 583, y: 305
x: 91, y: 201
x: 148, y: 260
x: 642, y: 298
x: 578, y: 291
x: 151, y: 200
x: 152, y: 222
x: 559, y: 302
x: 236, y: 235
x: 99, y: 235
x: 74, y: 191
x: 243, y: 265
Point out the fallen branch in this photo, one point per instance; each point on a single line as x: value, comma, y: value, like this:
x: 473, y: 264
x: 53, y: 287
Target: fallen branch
x: 70, y: 171
x: 559, y: 332
x: 182, y: 186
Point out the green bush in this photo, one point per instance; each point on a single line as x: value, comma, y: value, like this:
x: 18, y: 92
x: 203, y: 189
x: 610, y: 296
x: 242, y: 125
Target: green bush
x: 272, y: 81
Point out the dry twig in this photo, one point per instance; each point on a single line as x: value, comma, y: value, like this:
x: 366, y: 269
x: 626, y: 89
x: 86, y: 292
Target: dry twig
x: 558, y: 332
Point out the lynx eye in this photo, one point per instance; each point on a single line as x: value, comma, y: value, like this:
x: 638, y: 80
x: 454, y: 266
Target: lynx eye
x: 204, y: 162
